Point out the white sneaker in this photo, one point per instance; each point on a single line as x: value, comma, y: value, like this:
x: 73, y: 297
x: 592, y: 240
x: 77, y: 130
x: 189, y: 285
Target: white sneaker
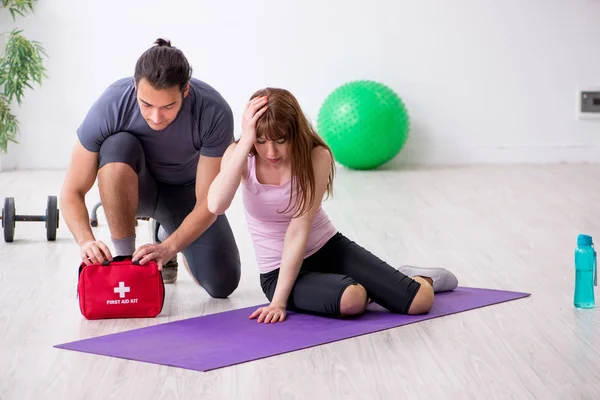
x: 443, y: 280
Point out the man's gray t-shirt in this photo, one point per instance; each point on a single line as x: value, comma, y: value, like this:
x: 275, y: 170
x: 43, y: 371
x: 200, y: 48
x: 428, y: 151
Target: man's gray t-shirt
x: 204, y: 126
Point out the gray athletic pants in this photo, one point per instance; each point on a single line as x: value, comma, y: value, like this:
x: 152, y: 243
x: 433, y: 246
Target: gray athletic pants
x: 213, y: 258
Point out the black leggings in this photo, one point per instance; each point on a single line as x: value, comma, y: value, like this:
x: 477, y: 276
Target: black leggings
x: 213, y: 258
x: 325, y: 275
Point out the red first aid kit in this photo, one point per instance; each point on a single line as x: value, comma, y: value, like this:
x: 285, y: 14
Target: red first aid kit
x: 120, y: 289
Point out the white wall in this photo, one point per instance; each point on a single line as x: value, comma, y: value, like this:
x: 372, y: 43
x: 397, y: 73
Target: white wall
x: 484, y: 80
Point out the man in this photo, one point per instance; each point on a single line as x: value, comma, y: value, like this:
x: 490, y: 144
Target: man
x: 155, y: 143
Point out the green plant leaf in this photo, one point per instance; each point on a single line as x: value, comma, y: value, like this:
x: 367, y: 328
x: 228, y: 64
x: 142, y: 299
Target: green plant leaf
x: 20, y: 7
x: 21, y: 65
x: 9, y: 125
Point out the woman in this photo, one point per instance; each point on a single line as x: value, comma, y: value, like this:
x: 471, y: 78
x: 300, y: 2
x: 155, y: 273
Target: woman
x: 285, y: 170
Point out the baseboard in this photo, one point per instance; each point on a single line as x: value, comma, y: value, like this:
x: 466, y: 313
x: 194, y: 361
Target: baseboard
x: 515, y: 154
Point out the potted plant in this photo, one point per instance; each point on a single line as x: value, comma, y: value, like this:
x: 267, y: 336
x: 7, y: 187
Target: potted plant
x: 21, y: 66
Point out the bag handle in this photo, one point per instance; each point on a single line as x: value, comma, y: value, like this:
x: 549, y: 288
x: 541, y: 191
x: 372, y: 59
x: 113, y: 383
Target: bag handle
x: 119, y: 258
x: 106, y: 264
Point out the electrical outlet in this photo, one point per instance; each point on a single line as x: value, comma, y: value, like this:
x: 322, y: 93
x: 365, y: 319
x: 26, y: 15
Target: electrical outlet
x: 588, y: 103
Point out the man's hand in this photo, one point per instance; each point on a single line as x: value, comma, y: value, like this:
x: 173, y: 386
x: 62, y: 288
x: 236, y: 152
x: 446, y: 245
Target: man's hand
x: 160, y: 253
x: 94, y: 252
x: 270, y: 314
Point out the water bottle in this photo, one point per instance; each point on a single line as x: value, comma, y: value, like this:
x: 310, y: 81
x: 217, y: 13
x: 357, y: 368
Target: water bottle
x: 586, y: 276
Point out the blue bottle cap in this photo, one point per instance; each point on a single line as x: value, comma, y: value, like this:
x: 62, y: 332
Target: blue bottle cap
x: 584, y: 240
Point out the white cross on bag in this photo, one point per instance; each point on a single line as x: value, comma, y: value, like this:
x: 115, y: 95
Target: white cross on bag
x: 122, y: 289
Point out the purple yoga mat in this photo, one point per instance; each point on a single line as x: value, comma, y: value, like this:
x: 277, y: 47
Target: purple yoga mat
x: 219, y: 340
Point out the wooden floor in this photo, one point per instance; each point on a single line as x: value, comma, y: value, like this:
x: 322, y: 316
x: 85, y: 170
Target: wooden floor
x: 504, y: 227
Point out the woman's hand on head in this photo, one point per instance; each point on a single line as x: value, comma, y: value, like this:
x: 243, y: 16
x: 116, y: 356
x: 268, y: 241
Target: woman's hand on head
x: 254, y: 109
x: 270, y: 314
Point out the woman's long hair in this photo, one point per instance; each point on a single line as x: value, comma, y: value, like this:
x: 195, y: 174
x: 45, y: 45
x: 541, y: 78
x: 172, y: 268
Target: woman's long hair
x: 285, y: 119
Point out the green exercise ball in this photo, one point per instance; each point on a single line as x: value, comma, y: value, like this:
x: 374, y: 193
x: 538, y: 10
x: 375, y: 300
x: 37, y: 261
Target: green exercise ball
x: 365, y: 123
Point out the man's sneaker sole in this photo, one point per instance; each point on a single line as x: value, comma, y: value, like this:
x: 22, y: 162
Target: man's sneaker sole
x: 169, y: 271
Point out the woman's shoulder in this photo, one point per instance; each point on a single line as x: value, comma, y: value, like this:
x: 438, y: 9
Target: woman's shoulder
x: 321, y: 156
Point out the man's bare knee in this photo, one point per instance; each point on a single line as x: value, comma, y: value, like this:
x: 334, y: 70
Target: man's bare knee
x: 354, y: 300
x: 116, y: 171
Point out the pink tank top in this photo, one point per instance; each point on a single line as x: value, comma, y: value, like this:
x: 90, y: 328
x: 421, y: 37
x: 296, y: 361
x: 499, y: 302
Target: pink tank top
x: 267, y: 226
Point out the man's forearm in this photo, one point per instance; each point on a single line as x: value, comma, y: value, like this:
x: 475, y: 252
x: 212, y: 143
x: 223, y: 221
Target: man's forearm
x: 75, y: 214
x: 191, y: 228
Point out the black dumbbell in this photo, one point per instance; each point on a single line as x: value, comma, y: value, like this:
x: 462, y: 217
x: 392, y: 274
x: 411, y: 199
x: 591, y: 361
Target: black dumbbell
x: 10, y: 218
